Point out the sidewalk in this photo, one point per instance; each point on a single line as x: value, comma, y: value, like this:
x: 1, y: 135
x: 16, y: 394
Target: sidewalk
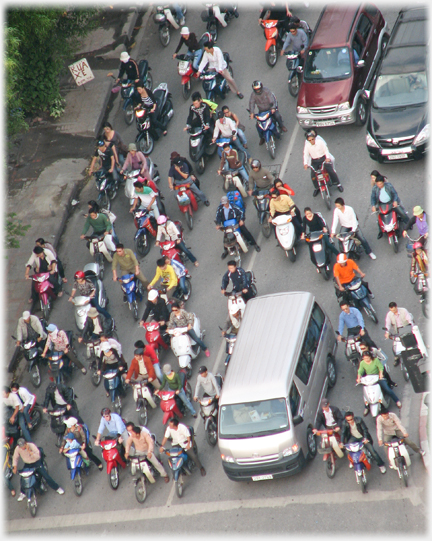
x: 49, y: 168
x: 424, y: 430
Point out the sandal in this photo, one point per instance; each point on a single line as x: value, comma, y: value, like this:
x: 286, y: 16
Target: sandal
x: 30, y: 301
x: 60, y: 294
x: 64, y: 280
x: 196, y: 264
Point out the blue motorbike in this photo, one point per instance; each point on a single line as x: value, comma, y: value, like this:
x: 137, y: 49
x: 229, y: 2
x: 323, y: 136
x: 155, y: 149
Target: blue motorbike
x: 31, y: 481
x: 133, y: 291
x: 215, y: 84
x: 180, y: 463
x: 357, y: 295
x: 75, y: 464
x: 360, y: 458
x: 268, y: 130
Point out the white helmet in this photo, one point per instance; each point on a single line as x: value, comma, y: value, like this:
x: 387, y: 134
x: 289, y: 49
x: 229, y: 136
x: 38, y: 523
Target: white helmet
x: 342, y: 258
x: 152, y: 294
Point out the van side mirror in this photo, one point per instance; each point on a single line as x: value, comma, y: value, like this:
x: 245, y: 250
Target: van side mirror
x: 297, y: 420
x: 360, y: 64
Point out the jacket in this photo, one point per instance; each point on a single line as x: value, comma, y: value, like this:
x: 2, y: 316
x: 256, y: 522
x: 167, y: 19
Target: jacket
x: 264, y: 101
x: 191, y: 43
x: 232, y: 158
x: 65, y: 392
x: 134, y: 368
x: 34, y: 323
x: 159, y: 309
x: 180, y: 319
x: 103, y: 365
x: 89, y: 326
x: 238, y: 278
x: 234, y: 214
x: 316, y: 224
x: 130, y: 68
x: 198, y: 116
x: 361, y: 427
x: 389, y: 188
x: 337, y: 415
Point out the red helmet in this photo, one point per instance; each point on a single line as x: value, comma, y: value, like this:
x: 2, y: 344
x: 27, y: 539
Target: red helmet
x: 417, y: 245
x: 79, y: 275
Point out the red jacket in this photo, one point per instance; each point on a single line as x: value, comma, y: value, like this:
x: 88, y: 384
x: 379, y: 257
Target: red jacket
x: 134, y: 371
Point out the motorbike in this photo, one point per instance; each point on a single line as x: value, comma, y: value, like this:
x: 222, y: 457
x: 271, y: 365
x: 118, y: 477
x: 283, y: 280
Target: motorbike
x: 236, y: 304
x: 143, y: 472
x: 31, y: 481
x: 408, y: 339
x: 184, y: 347
x: 146, y: 226
x: 132, y: 176
x: 275, y: 38
x: 167, y: 19
x: 286, y: 235
x: 214, y: 84
x: 422, y: 290
x: 170, y: 249
x: 398, y: 457
x: 323, y: 180
x: 128, y: 88
x: 357, y: 295
x: 216, y: 16
x: 60, y: 367
x: 133, y: 289
x: 115, y: 388
x: 360, y: 458
x: 209, y: 413
x: 349, y: 245
x: 187, y: 202
x: 107, y: 187
x: 294, y: 72
x: 180, y: 464
x: 94, y: 351
x: 200, y: 147
x: 388, y: 222
x: 373, y: 396
x: 320, y: 253
x: 326, y: 449
x: 232, y: 179
x: 353, y: 352
x: 75, y: 464
x: 82, y: 303
x: 269, y: 130
x: 144, y: 398
x: 12, y: 432
x: 113, y: 460
x: 230, y: 339
x: 147, y: 135
x: 262, y: 205
x: 32, y: 354
x: 58, y: 416
x: 45, y: 292
x: 233, y: 240
x: 174, y: 408
x: 154, y: 337
x: 98, y: 250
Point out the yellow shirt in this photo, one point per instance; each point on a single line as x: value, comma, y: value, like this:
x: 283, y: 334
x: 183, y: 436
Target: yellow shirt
x: 283, y: 205
x: 168, y: 276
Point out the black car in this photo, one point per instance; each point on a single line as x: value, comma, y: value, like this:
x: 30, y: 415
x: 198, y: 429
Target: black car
x: 398, y: 125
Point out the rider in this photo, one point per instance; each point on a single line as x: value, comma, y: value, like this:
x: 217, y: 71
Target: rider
x: 226, y: 128
x: 168, y: 229
x: 86, y: 288
x: 282, y: 187
x: 106, y: 155
x: 14, y: 401
x: 389, y: 426
x: 419, y: 261
x: 143, y: 97
x: 353, y: 320
x: 145, y: 197
x: 378, y: 352
x: 344, y: 271
x: 200, y: 116
x: 315, y: 153
x: 239, y: 281
x: 144, y: 446
x: 384, y: 192
x: 157, y: 306
x: 149, y: 351
x: 43, y: 261
x: 48, y: 246
x: 58, y: 395
x: 110, y: 360
x: 78, y: 431
x: 180, y: 318
x: 232, y: 116
x: 135, y: 159
x: 141, y: 369
x: 295, y: 41
x: 208, y: 382
x: 179, y: 174
x: 315, y: 222
x: 30, y: 328
x: 129, y: 264
x: 174, y: 382
x: 419, y: 218
x: 128, y: 66
x: 226, y: 212
x: 116, y: 429
x: 265, y: 100
x: 230, y: 160
x: 259, y: 177
x: 101, y: 226
x: 191, y: 42
x: 26, y: 398
x: 280, y: 205
x: 168, y: 276
x: 396, y: 318
x: 60, y: 342
x: 95, y: 325
x: 330, y: 417
x: 275, y: 11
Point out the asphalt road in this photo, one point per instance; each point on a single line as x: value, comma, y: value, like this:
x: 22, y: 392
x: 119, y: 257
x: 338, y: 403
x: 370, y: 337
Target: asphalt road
x: 304, y: 503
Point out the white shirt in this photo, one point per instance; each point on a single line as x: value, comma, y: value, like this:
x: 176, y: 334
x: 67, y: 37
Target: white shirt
x: 346, y: 219
x: 26, y: 396
x: 215, y: 61
x: 168, y: 230
x: 58, y: 398
x: 329, y: 419
x: 179, y: 436
x: 48, y: 256
x: 318, y: 150
x: 227, y: 129
x: 145, y: 198
x: 12, y: 400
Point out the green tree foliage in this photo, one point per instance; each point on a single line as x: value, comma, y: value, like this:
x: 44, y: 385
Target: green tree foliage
x: 15, y: 117
x: 14, y: 228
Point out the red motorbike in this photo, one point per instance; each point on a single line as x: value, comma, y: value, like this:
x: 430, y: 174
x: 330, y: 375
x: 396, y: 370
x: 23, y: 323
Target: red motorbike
x: 389, y: 224
x: 187, y: 202
x: 323, y: 180
x: 170, y: 404
x: 112, y: 457
x: 45, y: 291
x: 153, y: 336
x: 170, y: 249
x: 146, y: 229
x: 186, y: 72
x: 274, y: 37
x: 326, y: 449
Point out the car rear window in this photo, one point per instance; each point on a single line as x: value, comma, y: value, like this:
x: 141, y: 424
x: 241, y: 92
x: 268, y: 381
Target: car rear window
x: 327, y: 64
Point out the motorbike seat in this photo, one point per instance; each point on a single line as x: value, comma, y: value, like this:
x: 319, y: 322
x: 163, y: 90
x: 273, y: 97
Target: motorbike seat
x: 159, y: 95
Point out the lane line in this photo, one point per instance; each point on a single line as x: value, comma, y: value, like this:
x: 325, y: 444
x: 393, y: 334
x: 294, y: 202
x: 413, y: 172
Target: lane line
x: 194, y: 509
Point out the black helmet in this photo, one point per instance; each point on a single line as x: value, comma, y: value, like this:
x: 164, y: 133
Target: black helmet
x: 257, y: 87
x: 100, y: 142
x: 310, y: 133
x: 256, y: 163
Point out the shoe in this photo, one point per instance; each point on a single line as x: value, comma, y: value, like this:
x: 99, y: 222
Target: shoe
x: 165, y: 133
x: 380, y: 234
x: 316, y: 192
x: 240, y: 95
x: 203, y: 472
x: 60, y: 490
x: 207, y: 353
x: 182, y: 22
x: 340, y: 188
x: 422, y: 452
x: 351, y: 465
x: 382, y: 469
x: 20, y: 497
x: 284, y: 129
x: 100, y: 467
x: 391, y: 467
x: 371, y: 295
x: 207, y: 203
x: 84, y: 371
x: 223, y: 256
x: 372, y: 255
x: 245, y: 146
x: 365, y: 412
x: 236, y: 15
x: 257, y: 248
x: 195, y: 415
x: 261, y: 142
x: 166, y: 479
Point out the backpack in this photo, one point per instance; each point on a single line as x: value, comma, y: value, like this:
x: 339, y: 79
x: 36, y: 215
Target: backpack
x: 235, y: 198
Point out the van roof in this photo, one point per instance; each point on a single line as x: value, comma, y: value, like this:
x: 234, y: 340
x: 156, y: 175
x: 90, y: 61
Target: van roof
x: 261, y: 363
x: 411, y: 28
x: 334, y: 26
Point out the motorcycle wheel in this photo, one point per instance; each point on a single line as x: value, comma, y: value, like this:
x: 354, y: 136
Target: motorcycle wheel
x: 148, y: 83
x: 211, y: 433
x: 35, y: 418
x: 272, y: 147
x: 292, y: 256
x: 294, y: 85
x: 129, y: 114
x: 99, y: 258
x: 164, y: 35
x: 135, y: 310
x: 118, y: 405
x: 200, y: 165
x: 32, y: 505
x: 146, y: 148
x: 186, y: 90
x: 330, y: 467
x: 363, y: 482
x: 413, y: 279
x: 327, y: 199
x: 188, y: 391
x: 113, y: 478
x: 266, y: 227
x: 112, y: 191
x: 404, y: 371
x: 142, y: 245
x: 405, y: 475
x: 143, y: 415
x: 370, y: 311
x: 46, y: 309
x: 186, y: 296
x: 35, y: 376
x: 96, y: 378
x: 213, y: 30
x: 141, y: 490
x: 271, y: 56
x: 326, y: 273
x: 104, y: 201
x: 59, y: 440
x: 179, y: 486
x: 78, y: 484
x: 395, y: 245
x: 189, y: 219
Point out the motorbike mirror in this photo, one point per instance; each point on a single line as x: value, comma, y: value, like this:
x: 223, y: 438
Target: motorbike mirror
x: 298, y: 419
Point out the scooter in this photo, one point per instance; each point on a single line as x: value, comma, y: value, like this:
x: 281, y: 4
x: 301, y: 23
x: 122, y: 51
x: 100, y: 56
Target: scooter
x: 132, y: 176
x: 359, y: 457
x: 143, y: 471
x: 146, y: 226
x: 214, y: 84
x: 373, y: 396
x: 230, y: 339
x: 388, y: 222
x: 32, y: 354
x: 112, y: 457
x: 184, y: 347
x: 285, y: 234
x: 236, y: 305
x: 98, y: 250
x: 323, y: 180
x: 115, y: 388
x: 180, y: 464
x: 147, y: 134
x: 94, y: 351
x: 262, y: 205
x: 231, y: 179
x: 144, y: 397
x: 172, y: 406
x: 154, y: 337
x: 133, y: 289
x: 171, y: 250
x: 75, y: 464
x: 233, y: 240
x: 200, y: 147
x: 187, y: 202
x: 353, y: 352
x: 82, y: 303
x: 275, y: 38
x: 408, y: 339
x: 107, y: 187
x: 268, y: 130
x: 217, y: 17
x: 128, y: 88
x: 45, y: 291
x: 357, y: 295
x: 58, y: 416
x: 31, y: 481
x: 294, y: 72
x: 209, y: 413
x: 326, y: 449
x: 398, y: 457
x: 320, y: 254
x: 349, y: 245
x: 166, y: 19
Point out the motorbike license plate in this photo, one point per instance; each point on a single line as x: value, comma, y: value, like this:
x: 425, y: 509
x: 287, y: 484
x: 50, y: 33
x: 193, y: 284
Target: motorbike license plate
x: 316, y: 247
x: 262, y: 477
x: 397, y: 156
x: 325, y: 123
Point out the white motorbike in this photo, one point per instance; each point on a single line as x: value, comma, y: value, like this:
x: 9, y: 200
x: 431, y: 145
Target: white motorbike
x: 236, y: 307
x: 408, y: 337
x: 184, y: 347
x: 398, y: 457
x: 132, y: 176
x: 285, y: 234
x: 82, y: 304
x: 235, y: 180
x: 372, y: 394
x: 142, y: 396
x: 99, y: 246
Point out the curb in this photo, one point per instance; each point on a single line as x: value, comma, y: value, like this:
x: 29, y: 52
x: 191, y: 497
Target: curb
x: 66, y: 214
x: 423, y: 426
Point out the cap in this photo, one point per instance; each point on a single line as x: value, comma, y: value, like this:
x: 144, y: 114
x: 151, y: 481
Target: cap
x: 341, y: 258
x: 26, y: 314
x: 124, y: 57
x: 132, y: 146
x: 71, y: 421
x: 51, y: 327
x: 92, y: 312
x: 139, y: 351
x: 224, y: 199
x: 202, y: 369
x: 21, y: 442
x: 184, y: 31
x: 325, y: 402
x: 105, y: 347
x: 69, y: 436
x: 174, y: 155
x: 167, y: 369
x: 152, y: 295
x: 417, y: 210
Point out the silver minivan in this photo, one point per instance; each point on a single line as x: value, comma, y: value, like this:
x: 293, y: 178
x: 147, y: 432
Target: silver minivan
x: 282, y: 364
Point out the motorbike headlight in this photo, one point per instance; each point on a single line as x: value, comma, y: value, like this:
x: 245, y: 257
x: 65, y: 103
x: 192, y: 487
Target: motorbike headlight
x: 370, y: 141
x: 302, y: 110
x: 344, y: 106
x: 227, y: 458
x: 102, y: 184
x: 194, y: 142
x: 422, y: 136
x: 140, y: 113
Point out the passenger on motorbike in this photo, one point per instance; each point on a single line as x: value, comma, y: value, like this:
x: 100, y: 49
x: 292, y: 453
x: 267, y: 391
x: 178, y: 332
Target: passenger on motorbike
x: 174, y: 382
x: 30, y: 328
x: 213, y: 57
x: 265, y: 100
x: 207, y: 381
x: 239, y: 281
x: 282, y: 187
x: 194, y: 49
x: 60, y: 342
x: 180, y: 173
x: 135, y: 159
x: 128, y: 66
x: 315, y: 153
x: 143, y: 97
x: 128, y: 263
x: 315, y: 222
x: 101, y: 225
x: 388, y: 426
x: 72, y: 427
x: 384, y: 192
x: 377, y: 352
x: 181, y: 318
x: 231, y: 115
x: 14, y: 401
x: 295, y: 41
x: 419, y: 219
x: 158, y: 307
x: 42, y: 261
x: 353, y: 320
x: 226, y: 128
x: 169, y: 231
x: 230, y: 161
x: 95, y: 325
x: 144, y: 446
x: 167, y: 276
x: 330, y: 417
x: 280, y: 205
x: 110, y: 360
x: 145, y: 198
x: 181, y: 273
x: 86, y: 288
x: 48, y: 246
x: 180, y: 435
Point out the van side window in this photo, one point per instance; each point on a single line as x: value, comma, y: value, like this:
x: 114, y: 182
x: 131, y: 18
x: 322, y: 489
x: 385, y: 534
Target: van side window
x: 318, y: 316
x: 294, y: 400
x: 361, y: 35
x: 308, y: 351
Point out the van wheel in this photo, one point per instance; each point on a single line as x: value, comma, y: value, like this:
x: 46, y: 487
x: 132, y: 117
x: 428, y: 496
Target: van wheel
x: 311, y: 443
x: 331, y: 373
x: 361, y: 112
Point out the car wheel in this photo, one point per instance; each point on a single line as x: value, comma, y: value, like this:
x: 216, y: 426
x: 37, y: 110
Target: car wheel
x: 311, y: 443
x: 331, y: 373
x: 361, y: 112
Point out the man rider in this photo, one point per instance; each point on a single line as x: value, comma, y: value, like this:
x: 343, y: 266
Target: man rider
x: 158, y: 307
x: 101, y: 225
x: 384, y: 192
x: 141, y: 369
x: 227, y: 212
x: 106, y: 155
x: 168, y: 229
x: 276, y: 11
x: 144, y: 446
x: 265, y: 100
x: 145, y: 198
x: 43, y: 261
x: 59, y: 395
x: 315, y: 222
x: 14, y: 401
x: 344, y: 271
x: 167, y: 275
x: 389, y: 426
x: 208, y: 382
x: 48, y: 246
x: 86, y: 288
x: 280, y: 205
x: 396, y: 318
x: 230, y: 160
x: 95, y: 325
x: 128, y: 263
x: 115, y: 427
x: 180, y: 318
x: 199, y: 115
x: 191, y: 42
x: 128, y: 66
x: 180, y: 173
x: 60, y: 342
x: 226, y: 128
x: 175, y: 383
x: 239, y: 281
x: 30, y: 328
x: 353, y: 320
x: 329, y: 417
x: 260, y: 178
x: 295, y: 41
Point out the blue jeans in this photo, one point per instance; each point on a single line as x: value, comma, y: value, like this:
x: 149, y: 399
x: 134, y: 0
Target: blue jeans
x: 182, y: 283
x: 194, y: 336
x: 183, y: 248
x: 41, y: 468
x: 360, y: 236
x: 158, y: 371
x: 24, y: 428
x: 386, y: 389
x: 242, y: 137
x: 26, y: 413
x: 196, y: 55
x: 330, y: 245
x: 186, y: 401
x: 99, y: 308
x: 179, y: 12
x: 114, y: 236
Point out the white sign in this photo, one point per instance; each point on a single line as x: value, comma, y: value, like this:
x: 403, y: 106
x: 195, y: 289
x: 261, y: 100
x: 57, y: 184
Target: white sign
x: 81, y: 72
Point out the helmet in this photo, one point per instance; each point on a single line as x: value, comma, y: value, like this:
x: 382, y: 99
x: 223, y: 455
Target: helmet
x: 105, y: 411
x: 152, y: 294
x: 342, y: 258
x: 79, y: 275
x: 124, y: 57
x: 161, y: 220
x: 100, y: 142
x: 310, y: 133
x: 256, y: 163
x: 257, y: 87
x: 417, y: 245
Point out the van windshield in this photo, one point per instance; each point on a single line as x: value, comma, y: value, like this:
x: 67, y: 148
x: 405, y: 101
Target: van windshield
x: 401, y: 90
x: 253, y: 419
x: 327, y: 64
